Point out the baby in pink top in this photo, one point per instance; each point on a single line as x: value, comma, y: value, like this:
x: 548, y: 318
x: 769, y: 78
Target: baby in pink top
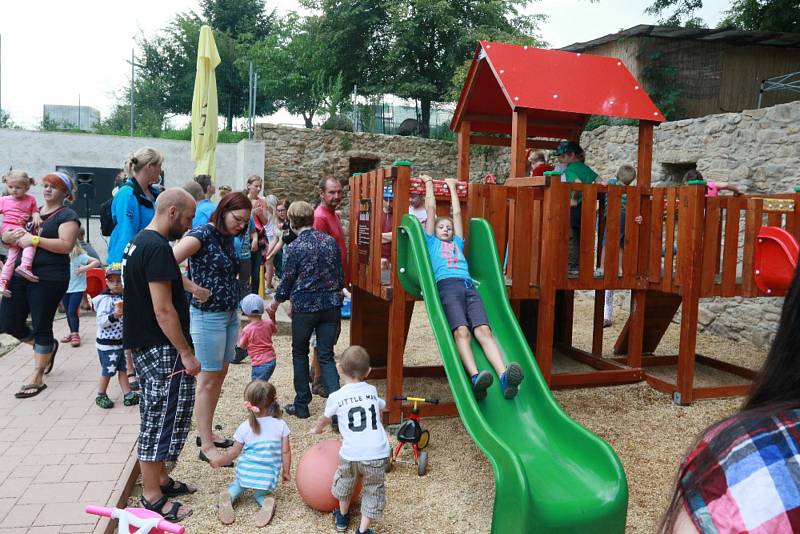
x: 18, y: 208
x: 257, y: 338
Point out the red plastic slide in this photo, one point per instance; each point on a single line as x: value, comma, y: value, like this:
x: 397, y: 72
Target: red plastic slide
x: 776, y: 260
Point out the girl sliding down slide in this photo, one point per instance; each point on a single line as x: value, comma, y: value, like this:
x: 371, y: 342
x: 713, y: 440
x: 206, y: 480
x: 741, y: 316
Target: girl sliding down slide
x: 461, y: 302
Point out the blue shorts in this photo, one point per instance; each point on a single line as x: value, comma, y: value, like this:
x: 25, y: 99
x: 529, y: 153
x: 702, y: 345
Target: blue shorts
x: 112, y: 361
x: 214, y: 337
x: 263, y: 371
x: 462, y: 304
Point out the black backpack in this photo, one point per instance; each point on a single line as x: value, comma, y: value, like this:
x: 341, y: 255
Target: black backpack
x: 107, y: 222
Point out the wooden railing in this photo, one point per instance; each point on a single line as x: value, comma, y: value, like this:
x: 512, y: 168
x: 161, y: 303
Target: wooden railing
x: 681, y: 234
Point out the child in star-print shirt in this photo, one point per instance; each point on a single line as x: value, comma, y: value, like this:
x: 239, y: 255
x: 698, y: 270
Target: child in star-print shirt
x: 108, y: 306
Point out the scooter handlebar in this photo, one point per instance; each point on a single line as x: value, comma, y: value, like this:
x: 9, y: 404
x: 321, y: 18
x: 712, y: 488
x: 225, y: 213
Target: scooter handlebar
x: 417, y: 399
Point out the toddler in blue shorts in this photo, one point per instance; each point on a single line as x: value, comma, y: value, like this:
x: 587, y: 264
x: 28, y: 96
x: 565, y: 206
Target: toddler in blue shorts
x: 461, y: 302
x: 108, y: 307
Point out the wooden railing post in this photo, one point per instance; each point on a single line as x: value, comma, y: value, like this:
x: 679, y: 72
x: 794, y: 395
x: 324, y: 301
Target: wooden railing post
x: 519, y: 137
x: 690, y: 266
x: 463, y: 151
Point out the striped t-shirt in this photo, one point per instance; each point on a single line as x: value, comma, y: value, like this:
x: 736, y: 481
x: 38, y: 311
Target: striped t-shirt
x: 259, y: 466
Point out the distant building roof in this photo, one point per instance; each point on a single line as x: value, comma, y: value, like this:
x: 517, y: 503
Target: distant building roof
x: 720, y: 35
x: 559, y: 90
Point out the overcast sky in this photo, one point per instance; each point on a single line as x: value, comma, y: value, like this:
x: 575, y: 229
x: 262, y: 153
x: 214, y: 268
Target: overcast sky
x: 55, y: 50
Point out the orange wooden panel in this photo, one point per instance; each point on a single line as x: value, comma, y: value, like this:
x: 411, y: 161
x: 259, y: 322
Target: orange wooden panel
x: 495, y: 213
x: 669, y: 239
x: 536, y: 240
x: 711, y: 245
x: 753, y: 221
x: 731, y: 247
x: 656, y: 235
x: 523, y: 215
x: 587, y: 233
x: 630, y: 253
x: 511, y: 218
x: 613, y: 218
x: 774, y: 219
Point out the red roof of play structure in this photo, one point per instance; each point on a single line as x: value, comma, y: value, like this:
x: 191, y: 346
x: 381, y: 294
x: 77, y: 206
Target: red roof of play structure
x: 560, y: 90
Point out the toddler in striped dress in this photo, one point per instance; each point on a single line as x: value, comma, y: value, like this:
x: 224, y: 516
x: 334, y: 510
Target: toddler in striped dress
x: 262, y: 445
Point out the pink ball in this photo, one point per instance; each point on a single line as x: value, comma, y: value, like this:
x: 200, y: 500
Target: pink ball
x: 315, y: 473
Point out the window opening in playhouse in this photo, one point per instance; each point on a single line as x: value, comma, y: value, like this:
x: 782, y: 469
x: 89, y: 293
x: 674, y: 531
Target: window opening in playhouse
x: 673, y: 172
x: 363, y: 165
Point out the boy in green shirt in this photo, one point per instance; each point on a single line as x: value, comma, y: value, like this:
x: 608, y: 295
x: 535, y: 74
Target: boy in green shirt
x: 571, y: 154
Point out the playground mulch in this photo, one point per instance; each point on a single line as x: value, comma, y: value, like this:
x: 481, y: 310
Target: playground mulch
x: 648, y: 431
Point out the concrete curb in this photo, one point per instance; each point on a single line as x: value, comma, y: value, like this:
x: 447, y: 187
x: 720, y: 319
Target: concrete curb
x: 122, y: 491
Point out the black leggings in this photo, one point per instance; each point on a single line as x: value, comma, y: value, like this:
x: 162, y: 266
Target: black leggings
x: 40, y: 300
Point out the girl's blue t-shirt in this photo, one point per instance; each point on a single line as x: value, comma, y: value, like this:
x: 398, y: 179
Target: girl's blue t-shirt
x: 77, y: 281
x: 447, y: 258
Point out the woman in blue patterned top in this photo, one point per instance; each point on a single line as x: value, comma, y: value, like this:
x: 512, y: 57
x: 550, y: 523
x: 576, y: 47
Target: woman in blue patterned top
x: 312, y: 280
x: 214, y: 322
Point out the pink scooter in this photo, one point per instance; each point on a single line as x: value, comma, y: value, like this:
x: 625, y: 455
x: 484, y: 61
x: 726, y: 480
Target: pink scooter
x: 137, y: 520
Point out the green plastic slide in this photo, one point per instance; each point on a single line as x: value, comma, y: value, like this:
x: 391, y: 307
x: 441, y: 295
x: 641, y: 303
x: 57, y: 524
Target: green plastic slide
x: 551, y: 474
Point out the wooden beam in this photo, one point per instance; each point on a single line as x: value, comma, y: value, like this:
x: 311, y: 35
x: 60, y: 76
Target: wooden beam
x: 519, y: 136
x: 534, y: 181
x: 644, y: 155
x: 506, y: 141
x: 464, y: 141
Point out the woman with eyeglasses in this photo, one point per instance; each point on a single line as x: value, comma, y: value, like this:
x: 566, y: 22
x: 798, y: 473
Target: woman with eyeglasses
x: 275, y: 249
x: 214, y: 322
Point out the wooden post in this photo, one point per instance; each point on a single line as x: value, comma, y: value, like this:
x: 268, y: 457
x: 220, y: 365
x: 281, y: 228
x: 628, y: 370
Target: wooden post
x: 644, y: 156
x: 644, y: 167
x: 519, y: 136
x: 554, y: 211
x: 693, y: 200
x: 399, y: 315
x: 463, y: 151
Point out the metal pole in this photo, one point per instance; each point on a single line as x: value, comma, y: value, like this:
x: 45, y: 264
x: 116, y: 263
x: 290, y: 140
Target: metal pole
x: 250, y: 102
x: 79, y: 111
x: 255, y: 99
x: 133, y: 105
x: 1, y: 72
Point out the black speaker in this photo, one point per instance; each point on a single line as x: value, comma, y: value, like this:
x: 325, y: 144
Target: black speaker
x: 85, y: 182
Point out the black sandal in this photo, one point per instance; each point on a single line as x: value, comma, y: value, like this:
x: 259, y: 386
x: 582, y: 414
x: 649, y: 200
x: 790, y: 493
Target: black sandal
x: 157, y: 507
x: 224, y: 444
x: 170, y: 489
x: 52, y: 358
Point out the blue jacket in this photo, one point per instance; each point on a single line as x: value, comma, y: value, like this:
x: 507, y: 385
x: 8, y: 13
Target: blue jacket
x: 132, y: 211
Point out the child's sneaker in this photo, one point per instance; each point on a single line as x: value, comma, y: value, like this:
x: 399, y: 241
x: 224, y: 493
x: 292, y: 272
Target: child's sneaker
x: 130, y: 399
x: 5, y: 292
x: 103, y: 401
x: 26, y: 274
x: 75, y: 341
x: 368, y: 531
x: 342, y: 521
x: 480, y: 383
x: 510, y: 380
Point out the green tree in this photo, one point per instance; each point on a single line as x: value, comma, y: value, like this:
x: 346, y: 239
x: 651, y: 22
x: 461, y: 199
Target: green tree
x: 354, y: 39
x: 5, y: 120
x: 749, y: 15
x: 294, y: 69
x: 765, y: 16
x: 168, y: 60
x: 433, y: 38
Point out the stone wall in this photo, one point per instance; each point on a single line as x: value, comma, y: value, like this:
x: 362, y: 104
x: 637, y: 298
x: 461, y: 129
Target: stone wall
x: 757, y: 150
x: 296, y: 158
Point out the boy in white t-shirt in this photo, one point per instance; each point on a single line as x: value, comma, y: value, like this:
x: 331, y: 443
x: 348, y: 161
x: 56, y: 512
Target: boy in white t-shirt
x: 365, y: 447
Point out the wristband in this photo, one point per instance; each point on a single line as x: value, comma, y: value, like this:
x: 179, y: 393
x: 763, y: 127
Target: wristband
x: 35, y: 240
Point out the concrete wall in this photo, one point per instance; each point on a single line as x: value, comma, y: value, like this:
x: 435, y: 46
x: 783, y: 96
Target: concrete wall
x: 40, y: 152
x: 296, y: 158
x: 757, y: 150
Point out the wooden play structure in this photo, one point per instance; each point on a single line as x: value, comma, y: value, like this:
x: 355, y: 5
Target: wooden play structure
x: 687, y: 247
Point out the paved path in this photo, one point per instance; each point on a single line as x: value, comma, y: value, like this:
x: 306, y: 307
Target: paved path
x: 58, y: 450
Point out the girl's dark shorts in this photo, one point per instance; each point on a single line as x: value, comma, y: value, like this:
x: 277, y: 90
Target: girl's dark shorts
x: 462, y: 304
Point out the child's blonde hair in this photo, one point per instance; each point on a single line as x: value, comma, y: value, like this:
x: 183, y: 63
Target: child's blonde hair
x: 272, y: 203
x: 19, y: 175
x: 76, y: 251
x: 355, y: 362
x: 626, y: 174
x: 261, y: 395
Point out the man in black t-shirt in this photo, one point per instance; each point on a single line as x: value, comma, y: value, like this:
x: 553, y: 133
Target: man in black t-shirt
x: 155, y: 327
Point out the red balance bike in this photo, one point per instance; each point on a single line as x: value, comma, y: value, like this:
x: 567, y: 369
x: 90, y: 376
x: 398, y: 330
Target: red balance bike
x: 411, y: 432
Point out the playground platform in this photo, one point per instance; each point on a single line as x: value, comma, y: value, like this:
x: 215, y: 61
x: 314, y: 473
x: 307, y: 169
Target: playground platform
x: 59, y: 450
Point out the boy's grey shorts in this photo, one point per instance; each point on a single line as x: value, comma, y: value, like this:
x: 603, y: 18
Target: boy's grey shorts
x: 373, y: 493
